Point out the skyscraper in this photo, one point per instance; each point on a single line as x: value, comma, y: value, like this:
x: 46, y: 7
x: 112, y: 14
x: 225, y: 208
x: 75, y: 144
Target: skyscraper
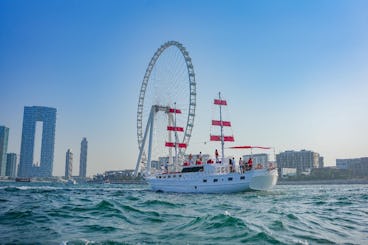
x: 4, y: 134
x: 27, y: 167
x: 300, y: 160
x: 68, y: 164
x: 83, y: 158
x: 11, y: 165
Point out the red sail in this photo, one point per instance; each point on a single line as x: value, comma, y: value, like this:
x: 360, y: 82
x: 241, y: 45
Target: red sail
x: 178, y: 129
x: 219, y: 102
x: 169, y: 144
x: 229, y: 138
x: 218, y: 138
x: 215, y: 138
x: 172, y: 144
x: 172, y: 110
x: 218, y: 123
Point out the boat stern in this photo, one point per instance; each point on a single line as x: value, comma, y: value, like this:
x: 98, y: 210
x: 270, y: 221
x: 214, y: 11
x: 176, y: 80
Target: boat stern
x: 263, y: 179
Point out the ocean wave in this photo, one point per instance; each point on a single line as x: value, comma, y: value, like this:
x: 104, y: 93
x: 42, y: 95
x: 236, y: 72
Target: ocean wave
x: 85, y: 214
x: 160, y: 203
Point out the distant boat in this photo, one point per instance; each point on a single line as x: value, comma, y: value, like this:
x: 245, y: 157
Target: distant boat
x: 71, y: 182
x: 217, y: 176
x: 22, y: 179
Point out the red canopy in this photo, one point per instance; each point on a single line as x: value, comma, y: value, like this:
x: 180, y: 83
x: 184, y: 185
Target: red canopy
x: 249, y: 147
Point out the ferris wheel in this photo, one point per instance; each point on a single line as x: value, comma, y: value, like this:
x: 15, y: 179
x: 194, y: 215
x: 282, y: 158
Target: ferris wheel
x: 168, y: 86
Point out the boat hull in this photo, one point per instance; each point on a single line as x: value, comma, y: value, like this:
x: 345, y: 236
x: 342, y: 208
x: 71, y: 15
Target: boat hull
x: 212, y: 182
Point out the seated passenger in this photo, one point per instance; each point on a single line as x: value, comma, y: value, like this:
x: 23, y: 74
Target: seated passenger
x: 209, y: 161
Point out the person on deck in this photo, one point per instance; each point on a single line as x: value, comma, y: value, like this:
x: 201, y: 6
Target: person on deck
x: 217, y: 155
x: 250, y: 163
x: 241, y: 165
x: 234, y: 164
x: 190, y: 159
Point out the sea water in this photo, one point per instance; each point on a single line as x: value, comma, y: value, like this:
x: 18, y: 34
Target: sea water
x: 46, y: 213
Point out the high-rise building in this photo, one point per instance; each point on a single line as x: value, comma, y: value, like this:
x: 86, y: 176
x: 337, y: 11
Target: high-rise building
x: 83, y: 158
x: 11, y: 165
x: 4, y: 134
x: 357, y: 166
x: 68, y: 164
x: 27, y: 167
x: 300, y: 160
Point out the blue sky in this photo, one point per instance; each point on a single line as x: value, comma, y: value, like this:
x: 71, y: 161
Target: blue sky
x: 295, y: 73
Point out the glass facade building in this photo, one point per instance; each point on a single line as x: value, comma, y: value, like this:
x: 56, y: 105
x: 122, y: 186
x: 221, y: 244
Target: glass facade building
x: 27, y: 167
x: 4, y: 134
x: 83, y: 158
x: 68, y: 164
x: 11, y: 165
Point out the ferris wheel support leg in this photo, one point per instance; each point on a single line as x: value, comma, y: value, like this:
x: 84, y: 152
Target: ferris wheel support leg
x: 142, y: 145
x: 150, y: 142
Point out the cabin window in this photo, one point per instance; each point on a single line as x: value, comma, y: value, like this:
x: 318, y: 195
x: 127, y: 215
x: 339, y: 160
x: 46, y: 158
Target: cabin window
x: 204, y: 180
x: 242, y: 177
x: 215, y: 180
x: 169, y: 176
x: 230, y: 179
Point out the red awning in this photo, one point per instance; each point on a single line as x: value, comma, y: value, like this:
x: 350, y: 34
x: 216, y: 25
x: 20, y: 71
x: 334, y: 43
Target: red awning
x: 249, y: 147
x: 218, y: 123
x: 219, y: 102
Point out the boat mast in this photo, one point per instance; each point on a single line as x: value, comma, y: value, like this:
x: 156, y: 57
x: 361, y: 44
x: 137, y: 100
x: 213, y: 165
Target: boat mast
x: 222, y: 133
x: 176, y: 138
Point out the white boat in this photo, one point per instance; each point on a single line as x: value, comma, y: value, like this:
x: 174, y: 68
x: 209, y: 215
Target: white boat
x: 214, y: 176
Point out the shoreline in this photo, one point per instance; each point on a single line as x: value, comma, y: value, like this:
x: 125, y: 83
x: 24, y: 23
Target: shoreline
x: 323, y: 182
